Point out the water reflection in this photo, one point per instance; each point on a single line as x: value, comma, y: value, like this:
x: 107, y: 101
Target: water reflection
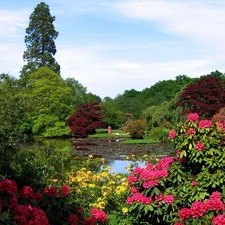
x: 120, y: 165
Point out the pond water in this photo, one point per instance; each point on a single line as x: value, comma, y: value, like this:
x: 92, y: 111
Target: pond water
x: 112, y: 150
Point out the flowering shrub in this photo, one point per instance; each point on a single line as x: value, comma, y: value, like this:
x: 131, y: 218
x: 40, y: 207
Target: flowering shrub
x: 188, y: 189
x: 53, y: 206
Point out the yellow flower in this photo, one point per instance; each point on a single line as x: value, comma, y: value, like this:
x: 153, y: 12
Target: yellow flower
x: 125, y: 210
x: 78, y: 191
x: 91, y: 185
x: 103, y: 160
x: 90, y: 156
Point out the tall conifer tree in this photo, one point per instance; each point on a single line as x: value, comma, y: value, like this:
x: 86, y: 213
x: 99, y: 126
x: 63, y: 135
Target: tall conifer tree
x: 39, y: 40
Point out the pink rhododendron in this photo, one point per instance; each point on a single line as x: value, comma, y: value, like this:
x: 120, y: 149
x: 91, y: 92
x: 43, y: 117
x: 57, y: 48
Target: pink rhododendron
x: 184, y: 213
x: 205, y: 124
x: 219, y: 220
x: 193, y: 183
x: 191, y: 131
x: 131, y: 179
x: 99, y: 215
x: 172, y: 134
x: 199, y: 146
x: 193, y: 117
x: 168, y: 199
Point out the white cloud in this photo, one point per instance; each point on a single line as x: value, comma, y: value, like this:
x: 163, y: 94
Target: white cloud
x: 12, y: 23
x: 201, y: 20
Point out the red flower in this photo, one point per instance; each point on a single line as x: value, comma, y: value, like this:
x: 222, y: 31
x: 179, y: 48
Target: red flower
x: 65, y: 190
x: 193, y: 183
x: 50, y: 191
x: 27, y: 192
x: 191, y: 131
x: 73, y: 219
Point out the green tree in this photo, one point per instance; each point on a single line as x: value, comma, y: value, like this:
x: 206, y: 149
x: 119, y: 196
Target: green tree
x: 51, y: 102
x: 39, y: 40
x: 112, y: 116
x: 15, y: 126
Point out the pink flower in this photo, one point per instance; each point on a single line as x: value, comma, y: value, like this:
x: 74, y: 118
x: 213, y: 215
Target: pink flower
x: 198, y: 209
x: 178, y: 223
x: 169, y: 199
x: 159, y: 198
x: 132, y: 179
x: 193, y: 183
x: 205, y: 124
x: 193, y: 117
x: 191, y: 131
x: 199, y: 146
x: 99, y: 215
x: 184, y: 213
x: 172, y: 134
x: 218, y: 220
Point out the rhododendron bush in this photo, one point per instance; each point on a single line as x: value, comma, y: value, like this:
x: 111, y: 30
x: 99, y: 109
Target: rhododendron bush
x: 54, y: 206
x: 188, y: 188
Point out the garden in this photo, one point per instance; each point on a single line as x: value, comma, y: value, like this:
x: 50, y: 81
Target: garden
x: 47, y: 187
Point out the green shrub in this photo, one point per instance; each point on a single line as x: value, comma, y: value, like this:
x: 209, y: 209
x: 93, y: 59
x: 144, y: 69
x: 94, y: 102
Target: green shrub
x: 135, y: 128
x: 159, y: 133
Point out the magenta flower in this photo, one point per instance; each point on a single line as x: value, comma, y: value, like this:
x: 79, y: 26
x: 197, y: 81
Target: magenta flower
x: 191, y: 131
x: 199, y: 146
x: 193, y: 117
x: 172, y: 134
x: 193, y: 183
x: 205, y: 124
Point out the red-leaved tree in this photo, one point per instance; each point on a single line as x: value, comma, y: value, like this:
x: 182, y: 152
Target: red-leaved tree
x: 86, y: 119
x: 205, y: 98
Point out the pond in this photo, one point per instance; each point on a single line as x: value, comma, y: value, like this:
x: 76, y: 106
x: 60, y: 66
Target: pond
x: 112, y: 150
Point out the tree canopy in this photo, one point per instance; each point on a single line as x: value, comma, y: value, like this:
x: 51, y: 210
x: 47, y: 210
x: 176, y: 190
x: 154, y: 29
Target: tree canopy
x: 206, y: 97
x: 39, y: 40
x: 86, y: 119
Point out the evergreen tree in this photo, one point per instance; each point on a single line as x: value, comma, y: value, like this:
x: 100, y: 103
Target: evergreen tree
x: 39, y: 40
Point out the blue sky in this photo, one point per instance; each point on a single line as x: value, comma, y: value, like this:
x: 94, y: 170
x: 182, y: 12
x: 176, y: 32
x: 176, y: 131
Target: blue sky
x: 110, y: 46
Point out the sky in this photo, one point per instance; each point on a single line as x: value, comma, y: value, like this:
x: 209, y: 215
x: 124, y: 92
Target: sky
x: 110, y: 46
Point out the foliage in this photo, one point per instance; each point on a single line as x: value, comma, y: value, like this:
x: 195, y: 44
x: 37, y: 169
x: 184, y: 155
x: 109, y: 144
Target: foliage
x: 53, y: 205
x: 104, y: 190
x: 112, y: 116
x: 39, y: 40
x: 51, y: 102
x: 88, y: 117
x: 220, y: 116
x: 159, y: 133
x: 135, y: 128
x: 206, y: 97
x: 15, y: 126
x: 186, y: 190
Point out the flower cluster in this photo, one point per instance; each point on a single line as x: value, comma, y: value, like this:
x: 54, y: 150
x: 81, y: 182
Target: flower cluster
x: 99, y: 215
x: 146, y: 178
x: 193, y: 117
x: 26, y: 215
x: 200, y: 208
x: 8, y: 186
x: 205, y: 124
